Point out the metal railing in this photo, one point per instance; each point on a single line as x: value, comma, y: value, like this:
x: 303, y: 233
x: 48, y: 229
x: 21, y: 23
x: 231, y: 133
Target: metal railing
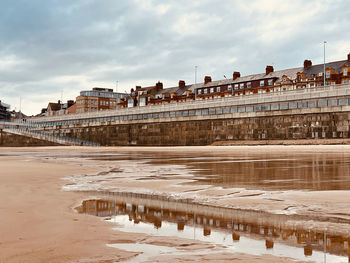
x: 299, y: 94
x: 25, y: 131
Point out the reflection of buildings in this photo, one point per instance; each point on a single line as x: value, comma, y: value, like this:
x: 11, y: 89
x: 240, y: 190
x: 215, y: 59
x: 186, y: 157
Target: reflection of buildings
x: 308, y: 240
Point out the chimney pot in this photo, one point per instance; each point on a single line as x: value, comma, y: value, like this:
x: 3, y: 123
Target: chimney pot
x: 182, y: 83
x: 159, y: 85
x: 236, y: 75
x: 207, y: 79
x: 307, y: 63
x: 269, y: 69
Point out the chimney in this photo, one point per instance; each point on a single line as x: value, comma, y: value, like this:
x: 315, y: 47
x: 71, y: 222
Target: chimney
x: 137, y: 88
x: 159, y: 85
x: 269, y: 69
x: 349, y: 57
x: 307, y: 63
x: 182, y: 84
x: 207, y: 79
x: 236, y: 75
x: 70, y: 103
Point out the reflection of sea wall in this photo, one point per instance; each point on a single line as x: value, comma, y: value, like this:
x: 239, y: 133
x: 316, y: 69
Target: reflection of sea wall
x: 270, y: 229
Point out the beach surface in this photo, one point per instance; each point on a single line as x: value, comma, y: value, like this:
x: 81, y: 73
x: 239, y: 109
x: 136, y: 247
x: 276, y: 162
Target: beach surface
x: 38, y: 222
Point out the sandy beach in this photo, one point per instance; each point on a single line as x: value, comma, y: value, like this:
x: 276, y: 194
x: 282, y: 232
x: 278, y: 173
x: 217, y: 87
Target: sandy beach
x: 38, y: 222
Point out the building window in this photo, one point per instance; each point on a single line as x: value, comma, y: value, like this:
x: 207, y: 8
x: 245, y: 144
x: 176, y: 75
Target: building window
x: 320, y: 74
x: 241, y: 86
x: 299, y: 78
x: 143, y: 101
x: 328, y: 73
x: 345, y: 71
x: 199, y: 91
x: 211, y: 90
x: 229, y: 87
x: 205, y: 91
x: 262, y: 83
x: 218, y: 89
x: 249, y: 85
x: 270, y: 82
x: 236, y: 86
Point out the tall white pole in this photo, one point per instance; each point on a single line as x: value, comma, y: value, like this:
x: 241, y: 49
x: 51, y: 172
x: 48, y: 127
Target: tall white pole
x: 61, y: 101
x: 324, y: 63
x: 20, y: 107
x: 195, y: 82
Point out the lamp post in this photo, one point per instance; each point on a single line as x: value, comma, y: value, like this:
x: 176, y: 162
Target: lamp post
x: 324, y: 63
x: 20, y: 107
x: 195, y: 82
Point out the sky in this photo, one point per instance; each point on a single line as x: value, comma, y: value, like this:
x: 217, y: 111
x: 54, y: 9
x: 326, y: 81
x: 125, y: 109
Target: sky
x: 53, y: 49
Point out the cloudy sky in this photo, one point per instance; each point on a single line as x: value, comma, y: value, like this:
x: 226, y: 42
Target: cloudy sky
x: 50, y: 47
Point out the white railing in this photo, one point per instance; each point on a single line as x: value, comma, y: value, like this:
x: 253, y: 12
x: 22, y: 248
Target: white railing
x: 300, y: 94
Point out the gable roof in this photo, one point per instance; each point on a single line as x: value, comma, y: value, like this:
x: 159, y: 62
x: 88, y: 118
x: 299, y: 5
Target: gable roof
x: 291, y: 73
x: 314, y: 70
x: 54, y: 106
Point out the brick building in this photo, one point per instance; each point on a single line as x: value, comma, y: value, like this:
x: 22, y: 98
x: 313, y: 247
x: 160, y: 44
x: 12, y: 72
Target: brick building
x: 59, y: 108
x: 306, y: 76
x: 98, y: 99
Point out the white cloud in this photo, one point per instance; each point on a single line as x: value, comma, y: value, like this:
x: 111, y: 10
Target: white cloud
x: 192, y: 24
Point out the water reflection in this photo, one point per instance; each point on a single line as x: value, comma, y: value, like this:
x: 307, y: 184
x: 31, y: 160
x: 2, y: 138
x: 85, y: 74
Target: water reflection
x: 311, y: 244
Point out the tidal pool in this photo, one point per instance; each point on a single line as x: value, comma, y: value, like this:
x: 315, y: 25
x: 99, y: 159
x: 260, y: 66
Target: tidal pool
x: 238, y: 231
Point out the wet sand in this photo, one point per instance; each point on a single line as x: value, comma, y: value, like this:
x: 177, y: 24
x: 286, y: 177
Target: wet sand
x: 38, y: 223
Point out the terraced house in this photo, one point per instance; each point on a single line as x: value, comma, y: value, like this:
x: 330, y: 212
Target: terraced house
x: 306, y: 76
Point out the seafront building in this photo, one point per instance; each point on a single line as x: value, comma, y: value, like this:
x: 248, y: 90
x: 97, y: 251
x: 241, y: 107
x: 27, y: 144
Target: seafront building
x: 98, y: 99
x: 4, y: 111
x: 291, y: 104
x: 307, y: 76
x: 271, y: 81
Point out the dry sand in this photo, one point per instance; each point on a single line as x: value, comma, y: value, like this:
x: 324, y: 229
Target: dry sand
x: 38, y: 223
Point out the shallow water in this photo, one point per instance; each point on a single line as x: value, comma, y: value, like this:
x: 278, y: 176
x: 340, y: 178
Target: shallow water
x: 237, y: 233
x: 264, y: 171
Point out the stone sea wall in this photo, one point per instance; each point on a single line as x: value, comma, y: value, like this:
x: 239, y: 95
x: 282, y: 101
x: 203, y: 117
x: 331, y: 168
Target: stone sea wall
x: 312, y: 126
x: 14, y: 140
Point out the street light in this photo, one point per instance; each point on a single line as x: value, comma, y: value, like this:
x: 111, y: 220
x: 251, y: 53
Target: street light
x: 195, y: 82
x: 324, y: 63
